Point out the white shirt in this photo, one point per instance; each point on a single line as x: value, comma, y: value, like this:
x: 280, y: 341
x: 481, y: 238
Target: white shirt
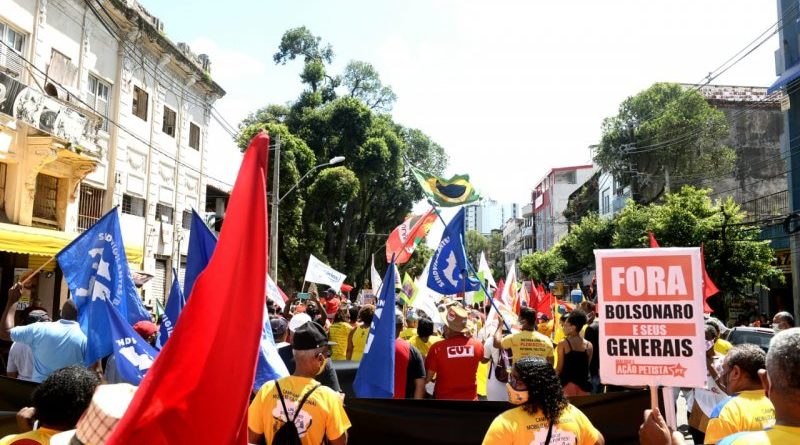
x: 20, y: 360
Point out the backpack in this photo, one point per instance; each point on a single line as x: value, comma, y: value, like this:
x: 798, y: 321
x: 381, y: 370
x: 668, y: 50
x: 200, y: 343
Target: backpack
x: 287, y: 434
x: 501, y: 368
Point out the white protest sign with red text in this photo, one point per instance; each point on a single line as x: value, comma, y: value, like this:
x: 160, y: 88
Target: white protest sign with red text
x: 650, y: 310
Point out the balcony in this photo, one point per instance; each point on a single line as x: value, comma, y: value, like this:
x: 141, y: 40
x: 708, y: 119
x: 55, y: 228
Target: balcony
x: 767, y: 207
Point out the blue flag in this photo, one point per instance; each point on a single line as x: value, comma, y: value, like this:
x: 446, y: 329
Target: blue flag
x: 133, y: 356
x: 96, y: 269
x: 375, y: 374
x: 448, y: 271
x: 175, y: 304
x: 201, y: 246
x: 270, y: 366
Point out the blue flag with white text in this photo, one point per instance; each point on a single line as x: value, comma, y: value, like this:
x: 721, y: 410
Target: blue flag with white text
x: 175, y: 303
x: 96, y: 270
x: 270, y: 366
x: 448, y: 271
x: 375, y: 374
x: 133, y: 356
x: 201, y: 246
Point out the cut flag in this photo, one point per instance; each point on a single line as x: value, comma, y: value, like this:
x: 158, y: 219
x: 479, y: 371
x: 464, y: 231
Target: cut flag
x: 201, y: 246
x: 96, y: 269
x: 175, y: 304
x: 404, y: 238
x: 375, y: 374
x: 193, y: 393
x: 451, y: 192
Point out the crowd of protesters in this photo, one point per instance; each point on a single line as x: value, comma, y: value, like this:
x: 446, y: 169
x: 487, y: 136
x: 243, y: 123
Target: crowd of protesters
x: 532, y: 360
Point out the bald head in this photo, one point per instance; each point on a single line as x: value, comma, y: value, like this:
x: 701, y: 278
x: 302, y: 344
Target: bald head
x: 783, y: 362
x: 69, y: 311
x: 783, y: 320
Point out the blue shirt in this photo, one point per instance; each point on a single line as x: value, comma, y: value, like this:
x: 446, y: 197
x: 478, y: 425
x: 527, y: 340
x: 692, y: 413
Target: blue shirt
x: 55, y: 345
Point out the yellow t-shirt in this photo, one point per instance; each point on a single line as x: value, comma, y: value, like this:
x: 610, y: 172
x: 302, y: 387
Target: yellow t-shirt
x: 545, y: 328
x: 359, y: 342
x: 407, y: 333
x: 339, y: 332
x: 528, y: 344
x: 746, y: 411
x: 517, y: 427
x: 722, y: 346
x: 322, y: 415
x: 422, y: 346
x: 777, y: 435
x: 41, y: 436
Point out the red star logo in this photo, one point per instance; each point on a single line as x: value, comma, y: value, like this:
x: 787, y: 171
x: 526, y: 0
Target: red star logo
x: 678, y: 371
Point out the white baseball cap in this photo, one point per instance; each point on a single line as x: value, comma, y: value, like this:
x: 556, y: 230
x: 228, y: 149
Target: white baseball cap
x: 298, y: 320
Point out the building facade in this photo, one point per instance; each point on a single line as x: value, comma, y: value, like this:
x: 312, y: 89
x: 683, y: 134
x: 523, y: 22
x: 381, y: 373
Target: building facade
x: 612, y: 195
x: 98, y: 109
x: 512, y: 239
x: 488, y: 215
x: 549, y: 200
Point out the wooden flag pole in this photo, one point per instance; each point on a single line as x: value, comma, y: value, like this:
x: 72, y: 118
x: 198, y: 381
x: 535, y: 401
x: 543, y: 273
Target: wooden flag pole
x: 653, y: 397
x: 36, y: 272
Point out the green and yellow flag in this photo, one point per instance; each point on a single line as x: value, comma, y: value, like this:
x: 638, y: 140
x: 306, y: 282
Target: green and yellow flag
x: 409, y: 292
x: 451, y: 192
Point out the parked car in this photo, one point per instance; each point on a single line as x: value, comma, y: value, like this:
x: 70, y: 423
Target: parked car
x: 745, y: 334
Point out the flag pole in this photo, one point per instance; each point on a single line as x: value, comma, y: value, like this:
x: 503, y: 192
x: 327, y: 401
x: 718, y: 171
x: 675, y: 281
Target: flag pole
x: 472, y: 270
x: 36, y: 272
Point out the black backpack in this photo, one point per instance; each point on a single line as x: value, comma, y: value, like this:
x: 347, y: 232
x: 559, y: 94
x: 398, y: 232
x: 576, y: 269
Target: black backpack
x: 287, y: 434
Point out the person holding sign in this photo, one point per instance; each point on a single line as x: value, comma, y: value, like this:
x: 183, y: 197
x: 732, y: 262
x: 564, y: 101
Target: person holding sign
x: 526, y: 343
x: 543, y: 415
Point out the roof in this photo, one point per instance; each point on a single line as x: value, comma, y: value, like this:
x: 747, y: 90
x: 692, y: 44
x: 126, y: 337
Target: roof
x: 561, y: 169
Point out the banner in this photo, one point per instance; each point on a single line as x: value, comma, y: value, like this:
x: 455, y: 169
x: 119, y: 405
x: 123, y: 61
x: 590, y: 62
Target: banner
x: 404, y: 238
x: 320, y: 273
x: 651, y: 317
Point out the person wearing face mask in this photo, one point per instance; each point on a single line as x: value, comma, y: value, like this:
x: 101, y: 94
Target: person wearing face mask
x: 782, y: 321
x: 322, y: 415
x: 543, y: 415
x: 748, y: 408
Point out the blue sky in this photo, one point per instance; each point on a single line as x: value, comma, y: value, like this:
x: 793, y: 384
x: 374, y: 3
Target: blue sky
x: 509, y: 88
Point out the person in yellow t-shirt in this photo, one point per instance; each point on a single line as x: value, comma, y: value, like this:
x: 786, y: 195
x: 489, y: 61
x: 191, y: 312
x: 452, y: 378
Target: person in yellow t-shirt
x: 748, y: 408
x: 411, y: 326
x: 58, y: 402
x: 358, y: 336
x: 543, y: 408
x: 528, y: 342
x: 339, y: 333
x: 317, y: 410
x: 424, y: 338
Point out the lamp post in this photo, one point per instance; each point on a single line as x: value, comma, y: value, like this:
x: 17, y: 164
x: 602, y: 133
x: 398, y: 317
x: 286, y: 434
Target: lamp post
x: 276, y: 201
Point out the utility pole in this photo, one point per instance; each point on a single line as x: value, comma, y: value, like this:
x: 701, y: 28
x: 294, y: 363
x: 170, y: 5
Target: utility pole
x: 666, y: 179
x: 787, y: 57
x: 273, y: 225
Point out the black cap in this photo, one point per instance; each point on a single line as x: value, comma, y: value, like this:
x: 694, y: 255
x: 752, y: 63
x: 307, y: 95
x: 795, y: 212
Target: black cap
x: 310, y: 336
x: 279, y: 326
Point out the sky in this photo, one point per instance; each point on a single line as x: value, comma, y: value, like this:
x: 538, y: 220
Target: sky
x: 510, y: 89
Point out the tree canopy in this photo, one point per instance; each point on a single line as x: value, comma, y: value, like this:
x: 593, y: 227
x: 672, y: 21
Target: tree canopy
x: 330, y: 212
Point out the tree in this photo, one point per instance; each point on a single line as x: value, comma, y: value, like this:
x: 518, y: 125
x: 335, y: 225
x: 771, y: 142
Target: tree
x: 476, y: 244
x: 415, y: 266
x: 543, y: 267
x: 495, y: 255
x: 362, y: 81
x: 577, y: 247
x: 299, y: 42
x: 666, y: 130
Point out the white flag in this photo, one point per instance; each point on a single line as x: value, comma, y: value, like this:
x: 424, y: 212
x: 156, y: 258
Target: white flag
x: 374, y: 278
x: 320, y: 273
x: 274, y: 293
x: 510, y: 287
x: 426, y: 298
x: 483, y: 266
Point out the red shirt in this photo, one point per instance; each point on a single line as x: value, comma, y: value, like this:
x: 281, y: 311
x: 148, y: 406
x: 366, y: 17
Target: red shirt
x: 455, y: 362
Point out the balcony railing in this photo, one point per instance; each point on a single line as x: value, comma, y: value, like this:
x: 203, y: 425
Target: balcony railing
x: 767, y: 207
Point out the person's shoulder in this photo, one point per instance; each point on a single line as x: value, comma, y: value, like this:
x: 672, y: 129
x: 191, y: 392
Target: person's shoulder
x: 746, y: 438
x: 721, y: 406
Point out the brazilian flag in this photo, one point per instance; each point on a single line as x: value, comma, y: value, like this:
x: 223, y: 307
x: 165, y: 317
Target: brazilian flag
x: 452, y: 192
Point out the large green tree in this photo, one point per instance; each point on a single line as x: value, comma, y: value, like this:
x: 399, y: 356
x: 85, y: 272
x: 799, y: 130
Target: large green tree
x: 543, y: 267
x: 330, y: 213
x: 667, y: 131
x: 476, y: 244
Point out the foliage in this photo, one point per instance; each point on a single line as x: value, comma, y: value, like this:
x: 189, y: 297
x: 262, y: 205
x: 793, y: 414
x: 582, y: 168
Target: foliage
x: 495, y: 255
x: 577, y: 247
x: 476, y: 243
x: 543, y: 266
x: 329, y: 213
x: 362, y: 81
x: 665, y: 129
x: 418, y: 261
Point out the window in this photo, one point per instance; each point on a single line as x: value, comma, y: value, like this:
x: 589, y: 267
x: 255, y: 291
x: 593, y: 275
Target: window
x: 11, y: 58
x: 132, y: 205
x: 194, y: 136
x: 45, y: 200
x: 606, y: 202
x: 168, y: 124
x: 61, y: 70
x: 187, y: 219
x: 98, y: 99
x: 164, y: 213
x: 90, y: 206
x: 140, y: 102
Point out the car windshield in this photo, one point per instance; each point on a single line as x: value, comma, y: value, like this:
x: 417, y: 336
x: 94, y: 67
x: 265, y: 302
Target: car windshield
x: 760, y: 339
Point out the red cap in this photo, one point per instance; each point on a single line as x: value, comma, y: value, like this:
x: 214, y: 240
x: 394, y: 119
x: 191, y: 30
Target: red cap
x: 332, y: 306
x: 145, y: 328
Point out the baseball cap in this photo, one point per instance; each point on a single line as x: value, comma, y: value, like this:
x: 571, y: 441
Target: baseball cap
x: 278, y: 326
x: 310, y: 336
x: 331, y: 307
x: 145, y: 328
x: 298, y: 320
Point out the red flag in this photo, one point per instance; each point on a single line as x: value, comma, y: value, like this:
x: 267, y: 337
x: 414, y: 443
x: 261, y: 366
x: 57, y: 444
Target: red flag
x: 198, y: 389
x: 498, y: 293
x: 709, y: 288
x: 404, y: 238
x: 653, y: 242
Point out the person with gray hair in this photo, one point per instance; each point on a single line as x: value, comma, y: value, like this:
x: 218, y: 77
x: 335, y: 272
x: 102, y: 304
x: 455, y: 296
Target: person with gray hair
x: 782, y: 320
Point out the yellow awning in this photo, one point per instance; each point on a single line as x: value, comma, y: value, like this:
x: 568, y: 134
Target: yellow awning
x: 45, y: 242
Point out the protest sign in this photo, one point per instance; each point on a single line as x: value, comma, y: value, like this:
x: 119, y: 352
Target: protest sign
x: 650, y: 309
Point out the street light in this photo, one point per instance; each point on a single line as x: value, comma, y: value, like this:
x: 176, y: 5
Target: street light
x: 276, y: 200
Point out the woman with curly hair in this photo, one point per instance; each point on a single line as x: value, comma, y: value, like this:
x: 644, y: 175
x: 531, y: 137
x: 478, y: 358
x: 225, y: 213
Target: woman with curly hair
x: 544, y: 416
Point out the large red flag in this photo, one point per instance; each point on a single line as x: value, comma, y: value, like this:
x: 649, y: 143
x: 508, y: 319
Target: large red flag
x: 709, y: 288
x: 404, y: 238
x: 653, y: 242
x: 198, y: 389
